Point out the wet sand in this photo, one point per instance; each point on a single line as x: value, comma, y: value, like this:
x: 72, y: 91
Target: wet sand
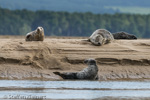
x: 119, y: 60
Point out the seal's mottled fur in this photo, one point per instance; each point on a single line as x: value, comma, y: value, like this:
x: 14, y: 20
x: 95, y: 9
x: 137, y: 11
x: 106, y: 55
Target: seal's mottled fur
x: 124, y: 35
x: 100, y: 37
x: 36, y: 35
x: 89, y: 73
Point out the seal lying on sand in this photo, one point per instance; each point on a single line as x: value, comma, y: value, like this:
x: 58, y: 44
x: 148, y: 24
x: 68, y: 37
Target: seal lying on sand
x: 123, y: 35
x: 89, y: 73
x: 100, y: 37
x: 36, y: 35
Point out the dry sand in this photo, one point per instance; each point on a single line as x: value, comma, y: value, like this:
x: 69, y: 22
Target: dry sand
x: 120, y: 60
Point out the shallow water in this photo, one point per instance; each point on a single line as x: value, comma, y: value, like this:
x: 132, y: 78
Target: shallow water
x: 29, y: 89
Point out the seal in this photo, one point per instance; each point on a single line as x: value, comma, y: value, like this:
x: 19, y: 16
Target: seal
x: 100, y: 37
x: 89, y: 73
x: 124, y: 35
x: 36, y: 35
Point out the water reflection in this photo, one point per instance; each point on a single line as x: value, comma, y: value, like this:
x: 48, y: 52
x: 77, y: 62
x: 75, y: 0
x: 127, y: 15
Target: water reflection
x: 40, y: 90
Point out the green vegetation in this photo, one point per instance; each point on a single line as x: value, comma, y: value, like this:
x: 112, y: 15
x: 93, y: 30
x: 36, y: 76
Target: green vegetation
x: 20, y: 22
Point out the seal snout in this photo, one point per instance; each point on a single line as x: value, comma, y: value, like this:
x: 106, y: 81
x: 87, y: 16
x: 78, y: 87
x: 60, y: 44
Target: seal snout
x: 39, y: 29
x: 99, y: 43
x: 90, y: 61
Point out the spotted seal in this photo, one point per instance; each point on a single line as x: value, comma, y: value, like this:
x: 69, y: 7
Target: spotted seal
x: 100, y: 37
x: 36, y: 35
x: 89, y: 73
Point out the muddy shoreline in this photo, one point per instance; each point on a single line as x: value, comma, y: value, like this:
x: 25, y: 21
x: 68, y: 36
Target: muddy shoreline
x: 120, y: 60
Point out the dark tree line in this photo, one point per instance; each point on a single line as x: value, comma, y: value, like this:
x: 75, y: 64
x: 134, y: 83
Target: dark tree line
x: 19, y: 22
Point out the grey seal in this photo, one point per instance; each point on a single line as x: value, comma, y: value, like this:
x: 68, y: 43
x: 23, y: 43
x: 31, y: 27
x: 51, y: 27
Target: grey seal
x: 100, y: 37
x: 89, y: 73
x: 123, y: 35
x: 36, y: 35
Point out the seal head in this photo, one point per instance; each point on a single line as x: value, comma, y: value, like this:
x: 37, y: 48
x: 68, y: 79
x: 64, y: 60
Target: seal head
x: 90, y: 61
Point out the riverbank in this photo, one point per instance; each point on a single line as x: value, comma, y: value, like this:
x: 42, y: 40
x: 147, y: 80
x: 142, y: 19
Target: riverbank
x: 120, y: 60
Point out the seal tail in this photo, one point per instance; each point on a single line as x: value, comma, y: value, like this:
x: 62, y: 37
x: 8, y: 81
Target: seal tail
x: 57, y: 73
x: 66, y: 75
x: 60, y: 74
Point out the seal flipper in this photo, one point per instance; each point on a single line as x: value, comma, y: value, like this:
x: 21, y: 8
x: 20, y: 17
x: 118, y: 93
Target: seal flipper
x: 69, y: 75
x: 88, y: 40
x: 57, y: 73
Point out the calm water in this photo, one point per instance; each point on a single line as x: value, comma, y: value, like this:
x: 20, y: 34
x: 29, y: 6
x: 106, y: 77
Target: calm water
x: 41, y: 90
